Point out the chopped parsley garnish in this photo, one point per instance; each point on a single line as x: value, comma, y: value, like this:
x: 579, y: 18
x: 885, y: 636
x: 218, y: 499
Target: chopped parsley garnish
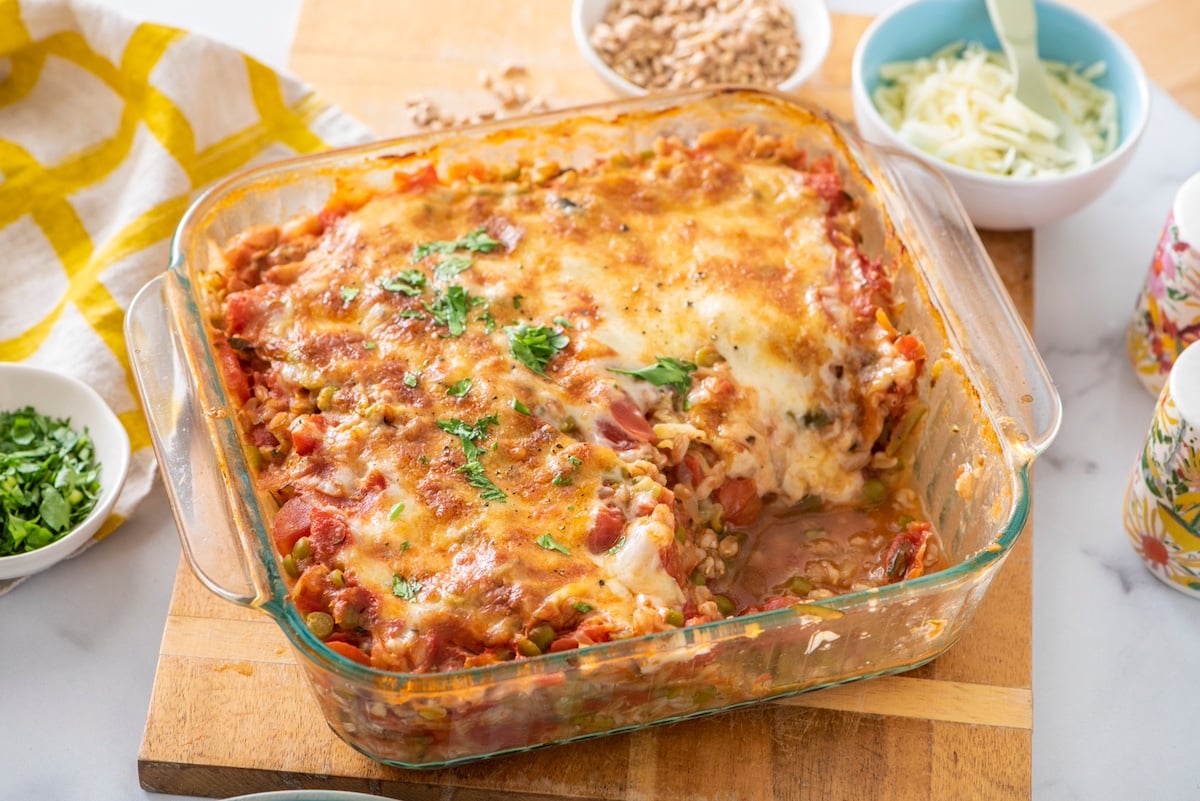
x: 450, y: 267
x: 550, y: 544
x: 477, y: 241
x: 489, y: 322
x: 49, y: 479
x: 617, y: 545
x: 534, y: 347
x: 408, y: 282
x: 581, y: 607
x: 404, y: 546
x: 411, y: 379
x: 396, y: 511
x: 412, y: 314
x: 520, y: 407
x: 561, y: 480
x: 471, y: 435
x: 349, y: 293
x: 369, y: 345
x: 517, y: 301
x: 450, y: 308
x: 665, y: 372
x: 575, y: 460
x: 405, y: 588
x: 563, y: 322
x: 459, y: 388
x: 478, y: 479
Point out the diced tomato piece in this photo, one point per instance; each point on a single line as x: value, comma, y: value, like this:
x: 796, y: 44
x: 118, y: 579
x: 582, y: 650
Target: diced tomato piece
x: 694, y: 471
x: 595, y: 633
x: 672, y: 562
x: 328, y: 532
x: 910, y: 348
x: 240, y: 310
x: 739, y: 497
x: 236, y: 379
x: 307, y: 434
x: 349, y: 651
x: 292, y: 522
x: 827, y: 183
x: 828, y: 186
x: 606, y: 529
x: 421, y: 179
x: 567, y: 643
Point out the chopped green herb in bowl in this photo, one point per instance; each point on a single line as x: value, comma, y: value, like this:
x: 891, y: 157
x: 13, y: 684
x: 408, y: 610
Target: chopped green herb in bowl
x: 49, y: 479
x: 64, y: 456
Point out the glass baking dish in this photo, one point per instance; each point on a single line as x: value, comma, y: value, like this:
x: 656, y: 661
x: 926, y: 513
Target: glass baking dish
x: 991, y: 410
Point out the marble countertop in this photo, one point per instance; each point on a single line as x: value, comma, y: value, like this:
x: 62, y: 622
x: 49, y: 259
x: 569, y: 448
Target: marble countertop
x: 1115, y: 652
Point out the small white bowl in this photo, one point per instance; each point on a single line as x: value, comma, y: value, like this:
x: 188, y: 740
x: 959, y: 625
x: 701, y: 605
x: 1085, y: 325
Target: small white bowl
x: 812, y: 29
x: 56, y: 395
x: 997, y: 202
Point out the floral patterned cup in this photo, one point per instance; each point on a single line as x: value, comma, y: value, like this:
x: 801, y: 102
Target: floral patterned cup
x: 1162, y: 500
x: 1166, y: 317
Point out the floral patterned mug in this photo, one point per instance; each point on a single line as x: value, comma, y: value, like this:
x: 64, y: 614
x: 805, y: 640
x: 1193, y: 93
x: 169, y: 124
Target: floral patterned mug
x: 1162, y: 499
x: 1166, y: 318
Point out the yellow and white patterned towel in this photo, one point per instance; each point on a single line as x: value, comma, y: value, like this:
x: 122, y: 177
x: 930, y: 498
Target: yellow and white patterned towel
x: 108, y: 129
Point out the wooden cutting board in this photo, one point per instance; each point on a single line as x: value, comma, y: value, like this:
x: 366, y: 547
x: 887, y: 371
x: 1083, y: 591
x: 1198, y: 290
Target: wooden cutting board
x: 231, y: 713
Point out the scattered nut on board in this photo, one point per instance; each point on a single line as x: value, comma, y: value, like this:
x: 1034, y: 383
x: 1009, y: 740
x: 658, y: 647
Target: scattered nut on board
x: 511, y: 95
x: 679, y: 44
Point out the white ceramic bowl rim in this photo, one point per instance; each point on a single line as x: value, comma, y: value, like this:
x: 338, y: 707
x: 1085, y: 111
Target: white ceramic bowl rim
x: 20, y: 385
x: 1129, y: 139
x: 813, y: 28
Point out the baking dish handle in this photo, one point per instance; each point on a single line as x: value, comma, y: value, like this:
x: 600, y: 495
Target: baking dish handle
x: 195, y: 481
x: 1012, y: 376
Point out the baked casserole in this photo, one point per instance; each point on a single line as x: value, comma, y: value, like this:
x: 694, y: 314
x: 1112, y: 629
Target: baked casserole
x: 522, y: 408
x: 550, y: 429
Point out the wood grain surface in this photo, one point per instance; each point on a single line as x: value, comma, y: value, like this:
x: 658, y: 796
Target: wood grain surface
x: 230, y: 712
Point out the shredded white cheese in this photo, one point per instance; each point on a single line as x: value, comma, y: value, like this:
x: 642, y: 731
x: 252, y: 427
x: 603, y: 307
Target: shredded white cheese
x: 958, y: 105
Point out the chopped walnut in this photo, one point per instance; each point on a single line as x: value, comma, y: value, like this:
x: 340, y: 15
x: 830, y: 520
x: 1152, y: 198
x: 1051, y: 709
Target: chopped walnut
x: 677, y: 44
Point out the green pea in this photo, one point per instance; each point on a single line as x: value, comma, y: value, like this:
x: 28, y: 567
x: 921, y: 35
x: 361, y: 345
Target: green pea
x: 674, y: 618
x: 698, y: 578
x: 798, y: 585
x: 707, y: 356
x: 724, y: 604
x: 874, y: 491
x: 319, y: 623
x: 542, y: 635
x: 350, y: 618
x: 337, y: 578
x: 527, y: 647
x: 289, y: 566
x: 302, y: 549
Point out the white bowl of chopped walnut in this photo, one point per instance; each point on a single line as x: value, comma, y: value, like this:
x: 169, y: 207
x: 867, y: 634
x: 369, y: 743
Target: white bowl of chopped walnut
x: 641, y: 46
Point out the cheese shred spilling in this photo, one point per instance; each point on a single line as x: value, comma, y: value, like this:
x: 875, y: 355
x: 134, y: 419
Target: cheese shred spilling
x: 959, y: 106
